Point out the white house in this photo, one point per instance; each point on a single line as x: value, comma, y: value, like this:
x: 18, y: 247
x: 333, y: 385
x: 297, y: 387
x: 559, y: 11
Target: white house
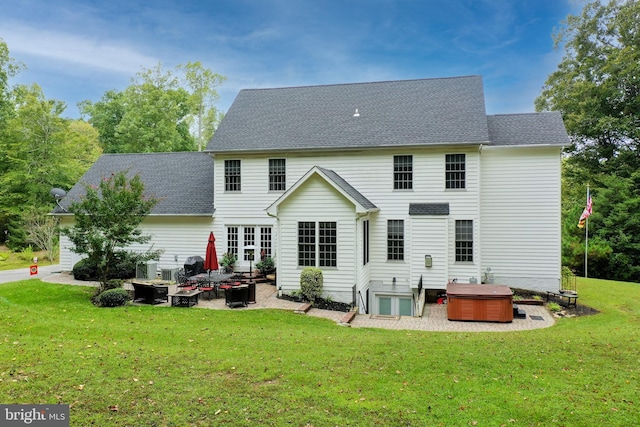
x: 387, y: 187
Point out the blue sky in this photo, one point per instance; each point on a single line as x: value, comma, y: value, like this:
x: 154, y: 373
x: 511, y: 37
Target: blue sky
x: 77, y: 50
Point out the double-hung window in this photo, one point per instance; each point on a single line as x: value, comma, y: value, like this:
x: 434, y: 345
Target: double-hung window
x: 402, y: 172
x: 395, y: 240
x: 277, y: 174
x: 232, y: 175
x: 317, y: 244
x: 464, y: 240
x: 455, y: 171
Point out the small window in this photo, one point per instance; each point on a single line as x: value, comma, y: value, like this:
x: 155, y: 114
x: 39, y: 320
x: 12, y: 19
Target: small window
x: 395, y: 240
x: 455, y: 171
x: 464, y: 240
x: 365, y: 242
x: 277, y: 174
x: 402, y: 172
x: 232, y: 175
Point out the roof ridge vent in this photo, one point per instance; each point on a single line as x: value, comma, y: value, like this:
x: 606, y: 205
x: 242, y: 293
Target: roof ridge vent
x: 356, y: 114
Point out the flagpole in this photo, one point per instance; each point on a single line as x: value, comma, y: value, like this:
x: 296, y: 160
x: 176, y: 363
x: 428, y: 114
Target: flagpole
x: 586, y: 238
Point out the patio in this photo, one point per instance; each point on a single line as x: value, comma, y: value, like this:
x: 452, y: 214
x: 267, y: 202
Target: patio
x: 434, y: 318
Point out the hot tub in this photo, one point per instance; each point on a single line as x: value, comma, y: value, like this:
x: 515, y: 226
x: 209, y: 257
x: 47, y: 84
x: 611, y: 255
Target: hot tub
x: 481, y: 303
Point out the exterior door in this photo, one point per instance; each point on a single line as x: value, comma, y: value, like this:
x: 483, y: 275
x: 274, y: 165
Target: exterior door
x: 390, y: 305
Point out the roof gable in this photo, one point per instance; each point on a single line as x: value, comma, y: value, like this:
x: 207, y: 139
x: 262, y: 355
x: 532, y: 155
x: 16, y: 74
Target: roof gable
x: 361, y: 203
x: 182, y: 181
x: 393, y: 113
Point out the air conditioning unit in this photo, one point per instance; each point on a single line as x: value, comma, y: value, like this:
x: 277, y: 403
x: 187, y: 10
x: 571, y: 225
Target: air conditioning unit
x: 169, y: 274
x: 146, y: 270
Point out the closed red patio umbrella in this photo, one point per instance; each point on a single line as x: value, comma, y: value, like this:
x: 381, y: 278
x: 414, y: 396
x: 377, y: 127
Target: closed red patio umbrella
x: 211, y: 258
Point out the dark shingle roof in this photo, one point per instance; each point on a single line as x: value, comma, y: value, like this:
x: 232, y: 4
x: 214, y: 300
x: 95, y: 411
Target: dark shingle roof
x: 527, y: 129
x: 428, y: 208
x: 347, y: 188
x: 393, y: 113
x: 183, y: 181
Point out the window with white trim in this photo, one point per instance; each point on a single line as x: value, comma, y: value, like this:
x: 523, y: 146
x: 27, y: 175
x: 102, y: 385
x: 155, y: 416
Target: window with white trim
x: 464, y: 240
x: 395, y: 240
x: 232, y: 175
x: 455, y: 171
x: 277, y: 174
x: 317, y: 244
x: 402, y: 172
x: 266, y: 240
x: 365, y: 242
x: 232, y: 240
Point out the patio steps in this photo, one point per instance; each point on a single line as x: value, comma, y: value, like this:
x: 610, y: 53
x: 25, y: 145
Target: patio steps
x: 303, y: 309
x: 348, y: 317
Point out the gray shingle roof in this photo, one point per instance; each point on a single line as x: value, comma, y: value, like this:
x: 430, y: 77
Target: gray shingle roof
x: 393, y: 113
x: 428, y: 208
x: 347, y: 188
x: 183, y: 181
x: 527, y: 129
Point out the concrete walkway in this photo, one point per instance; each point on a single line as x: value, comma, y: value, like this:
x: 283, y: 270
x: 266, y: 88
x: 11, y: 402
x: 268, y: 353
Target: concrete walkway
x: 434, y: 317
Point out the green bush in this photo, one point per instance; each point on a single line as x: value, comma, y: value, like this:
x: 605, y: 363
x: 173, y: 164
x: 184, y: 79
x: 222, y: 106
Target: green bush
x: 113, y: 298
x: 27, y: 253
x: 265, y: 266
x: 85, y: 270
x: 113, y: 284
x: 123, y: 266
x: 311, y: 282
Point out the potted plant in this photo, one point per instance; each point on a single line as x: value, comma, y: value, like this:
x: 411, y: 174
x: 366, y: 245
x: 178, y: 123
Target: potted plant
x: 265, y: 266
x: 228, y: 261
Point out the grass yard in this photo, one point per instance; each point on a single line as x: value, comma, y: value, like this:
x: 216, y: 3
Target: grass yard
x: 10, y: 260
x: 162, y: 366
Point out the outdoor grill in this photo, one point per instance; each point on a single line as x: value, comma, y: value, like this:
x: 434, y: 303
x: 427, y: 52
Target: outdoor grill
x: 193, y: 265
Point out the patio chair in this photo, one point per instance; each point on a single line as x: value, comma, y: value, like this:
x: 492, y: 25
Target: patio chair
x: 207, y: 288
x: 183, y: 282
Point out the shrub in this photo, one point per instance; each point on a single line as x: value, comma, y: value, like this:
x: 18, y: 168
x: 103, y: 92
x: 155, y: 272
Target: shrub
x: 123, y: 267
x: 113, y: 298
x: 85, y: 269
x: 113, y: 284
x: 27, y: 253
x: 265, y: 266
x: 311, y: 282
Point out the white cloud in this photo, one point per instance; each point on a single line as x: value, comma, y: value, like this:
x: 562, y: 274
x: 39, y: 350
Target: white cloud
x: 75, y: 49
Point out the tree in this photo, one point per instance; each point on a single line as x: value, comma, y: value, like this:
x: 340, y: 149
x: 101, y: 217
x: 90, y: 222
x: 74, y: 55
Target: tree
x: 202, y: 83
x: 597, y: 85
x: 155, y: 113
x: 107, y: 220
x: 597, y: 89
x: 40, y: 151
x: 42, y: 230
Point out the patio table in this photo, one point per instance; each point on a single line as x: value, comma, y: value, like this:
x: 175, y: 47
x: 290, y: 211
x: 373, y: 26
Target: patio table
x: 185, y: 298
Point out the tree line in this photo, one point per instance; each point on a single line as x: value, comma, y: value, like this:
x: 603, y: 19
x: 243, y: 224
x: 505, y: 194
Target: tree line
x: 596, y: 87
x: 160, y: 111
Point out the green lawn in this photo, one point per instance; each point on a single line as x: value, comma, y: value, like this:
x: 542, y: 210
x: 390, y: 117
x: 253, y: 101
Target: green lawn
x: 161, y: 366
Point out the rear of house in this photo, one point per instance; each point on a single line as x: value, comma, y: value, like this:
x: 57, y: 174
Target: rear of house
x: 392, y: 188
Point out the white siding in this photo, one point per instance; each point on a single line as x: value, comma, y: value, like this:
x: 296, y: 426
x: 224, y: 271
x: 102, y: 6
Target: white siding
x: 430, y: 238
x: 371, y: 173
x: 179, y: 237
x: 317, y: 201
x: 520, y: 211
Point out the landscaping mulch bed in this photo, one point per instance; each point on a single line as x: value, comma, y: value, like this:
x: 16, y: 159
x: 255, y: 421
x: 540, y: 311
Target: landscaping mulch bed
x: 320, y: 303
x: 578, y: 310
